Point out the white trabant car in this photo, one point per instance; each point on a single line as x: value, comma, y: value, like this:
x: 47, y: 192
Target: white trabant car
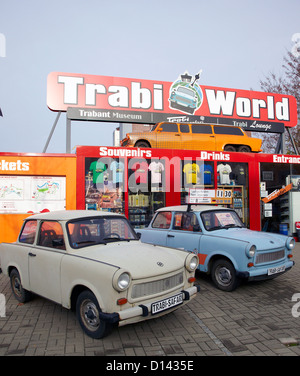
x: 93, y: 262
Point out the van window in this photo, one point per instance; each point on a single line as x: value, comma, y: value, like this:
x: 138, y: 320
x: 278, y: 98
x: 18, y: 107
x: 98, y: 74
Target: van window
x: 198, y: 128
x: 184, y: 128
x: 228, y: 130
x: 169, y: 127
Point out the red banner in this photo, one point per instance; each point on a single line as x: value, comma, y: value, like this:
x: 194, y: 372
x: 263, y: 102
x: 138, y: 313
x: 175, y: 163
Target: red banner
x: 145, y: 101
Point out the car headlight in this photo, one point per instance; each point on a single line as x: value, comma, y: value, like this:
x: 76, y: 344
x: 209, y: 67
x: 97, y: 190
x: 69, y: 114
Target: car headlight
x: 290, y: 243
x: 250, y: 250
x: 121, y: 280
x: 191, y: 262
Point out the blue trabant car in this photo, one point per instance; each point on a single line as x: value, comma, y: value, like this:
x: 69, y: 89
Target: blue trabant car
x: 226, y: 249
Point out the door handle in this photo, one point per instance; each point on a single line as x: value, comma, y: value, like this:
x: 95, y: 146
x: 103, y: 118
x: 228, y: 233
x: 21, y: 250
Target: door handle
x: 170, y: 236
x: 31, y: 254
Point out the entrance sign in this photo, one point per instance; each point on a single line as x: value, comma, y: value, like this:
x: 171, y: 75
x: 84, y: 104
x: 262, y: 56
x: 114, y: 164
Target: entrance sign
x: 117, y: 99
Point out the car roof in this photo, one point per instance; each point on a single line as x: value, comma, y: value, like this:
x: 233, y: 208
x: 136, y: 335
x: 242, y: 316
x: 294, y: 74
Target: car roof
x: 66, y: 215
x: 198, y: 208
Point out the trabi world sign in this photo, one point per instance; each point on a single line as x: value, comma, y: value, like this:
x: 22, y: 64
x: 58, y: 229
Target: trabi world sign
x: 116, y: 99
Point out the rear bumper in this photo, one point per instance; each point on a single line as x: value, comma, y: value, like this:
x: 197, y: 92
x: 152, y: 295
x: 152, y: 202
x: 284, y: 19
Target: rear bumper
x: 143, y: 311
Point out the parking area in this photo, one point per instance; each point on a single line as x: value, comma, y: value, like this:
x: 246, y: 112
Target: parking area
x: 255, y: 319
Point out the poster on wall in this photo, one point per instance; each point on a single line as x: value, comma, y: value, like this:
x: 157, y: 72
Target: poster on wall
x: 32, y: 194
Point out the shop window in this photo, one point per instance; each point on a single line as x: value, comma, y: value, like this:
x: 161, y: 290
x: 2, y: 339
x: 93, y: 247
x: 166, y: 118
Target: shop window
x: 280, y: 195
x: 104, y: 184
x: 233, y: 180
x: 146, y: 189
x: 28, y: 232
x: 162, y: 220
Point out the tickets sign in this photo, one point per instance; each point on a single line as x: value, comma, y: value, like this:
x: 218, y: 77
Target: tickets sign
x: 117, y: 99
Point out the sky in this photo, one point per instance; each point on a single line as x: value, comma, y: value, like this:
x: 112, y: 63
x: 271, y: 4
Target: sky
x: 236, y: 43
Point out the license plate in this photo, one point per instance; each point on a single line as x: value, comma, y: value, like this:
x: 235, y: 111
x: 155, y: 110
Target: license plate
x: 279, y: 269
x: 167, y: 303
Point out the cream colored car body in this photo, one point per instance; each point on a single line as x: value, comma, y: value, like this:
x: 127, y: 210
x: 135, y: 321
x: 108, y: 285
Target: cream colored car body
x: 61, y: 274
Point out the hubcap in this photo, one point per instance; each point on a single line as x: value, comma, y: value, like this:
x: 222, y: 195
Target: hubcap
x: 223, y: 276
x: 17, y: 286
x: 90, y: 315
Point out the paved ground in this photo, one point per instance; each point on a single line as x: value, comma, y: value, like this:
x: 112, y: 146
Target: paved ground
x: 256, y: 319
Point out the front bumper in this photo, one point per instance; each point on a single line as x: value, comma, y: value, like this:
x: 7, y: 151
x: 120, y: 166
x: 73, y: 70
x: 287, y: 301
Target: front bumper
x: 261, y: 273
x: 143, y: 311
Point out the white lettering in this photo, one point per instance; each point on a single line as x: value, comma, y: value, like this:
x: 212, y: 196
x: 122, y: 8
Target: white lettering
x: 14, y: 166
x: 90, y: 93
x: 243, y: 107
x: 257, y: 105
x: 219, y: 103
x: 2, y: 306
x: 158, y: 97
x: 120, y: 98
x: 296, y: 307
x: 140, y: 97
x: 282, y: 109
x: 70, y: 88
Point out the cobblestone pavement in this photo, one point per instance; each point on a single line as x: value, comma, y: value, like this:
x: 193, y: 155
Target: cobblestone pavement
x: 255, y: 319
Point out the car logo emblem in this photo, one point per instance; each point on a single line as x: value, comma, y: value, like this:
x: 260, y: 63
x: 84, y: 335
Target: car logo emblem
x: 160, y: 264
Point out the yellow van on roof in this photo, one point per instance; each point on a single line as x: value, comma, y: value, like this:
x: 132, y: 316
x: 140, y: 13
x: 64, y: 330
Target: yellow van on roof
x: 194, y: 137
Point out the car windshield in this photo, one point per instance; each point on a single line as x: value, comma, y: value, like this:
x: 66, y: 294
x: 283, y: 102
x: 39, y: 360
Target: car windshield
x: 220, y: 219
x: 185, y: 90
x: 99, y: 230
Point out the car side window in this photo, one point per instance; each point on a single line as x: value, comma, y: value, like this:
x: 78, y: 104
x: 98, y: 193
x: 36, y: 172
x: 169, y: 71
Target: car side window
x: 169, y: 127
x: 198, y: 128
x: 184, y: 128
x: 51, y: 235
x: 228, y: 130
x: 162, y: 220
x: 28, y: 232
x: 185, y: 221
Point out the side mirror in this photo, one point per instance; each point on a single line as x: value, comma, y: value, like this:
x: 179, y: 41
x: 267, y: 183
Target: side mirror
x: 139, y: 235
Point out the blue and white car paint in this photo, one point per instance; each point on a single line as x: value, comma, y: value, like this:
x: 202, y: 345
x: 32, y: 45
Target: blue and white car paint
x: 226, y: 248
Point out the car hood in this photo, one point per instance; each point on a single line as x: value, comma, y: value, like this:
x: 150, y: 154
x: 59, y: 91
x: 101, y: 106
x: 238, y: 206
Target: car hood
x: 262, y: 240
x: 140, y: 259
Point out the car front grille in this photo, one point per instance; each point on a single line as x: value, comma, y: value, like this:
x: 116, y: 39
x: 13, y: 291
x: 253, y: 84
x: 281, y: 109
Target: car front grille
x: 269, y: 256
x: 155, y: 287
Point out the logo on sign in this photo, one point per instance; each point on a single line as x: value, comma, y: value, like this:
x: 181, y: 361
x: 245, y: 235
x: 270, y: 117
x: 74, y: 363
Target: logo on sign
x: 185, y: 94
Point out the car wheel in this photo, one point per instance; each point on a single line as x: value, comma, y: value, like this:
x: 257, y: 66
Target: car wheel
x: 87, y: 312
x: 142, y: 144
x: 224, y: 275
x: 244, y: 149
x: 19, y: 292
x: 229, y: 148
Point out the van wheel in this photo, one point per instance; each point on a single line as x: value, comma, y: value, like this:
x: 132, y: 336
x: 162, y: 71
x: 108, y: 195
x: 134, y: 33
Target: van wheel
x: 224, y: 275
x: 19, y: 292
x: 244, y: 149
x: 87, y: 312
x: 229, y: 148
x: 142, y: 144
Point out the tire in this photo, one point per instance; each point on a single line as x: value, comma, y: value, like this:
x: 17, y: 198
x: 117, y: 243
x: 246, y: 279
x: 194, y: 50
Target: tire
x: 229, y: 148
x: 244, y: 149
x: 142, y: 144
x: 224, y: 275
x: 87, y: 313
x: 19, y: 292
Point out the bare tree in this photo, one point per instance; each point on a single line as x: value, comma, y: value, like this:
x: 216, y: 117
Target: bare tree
x: 288, y: 84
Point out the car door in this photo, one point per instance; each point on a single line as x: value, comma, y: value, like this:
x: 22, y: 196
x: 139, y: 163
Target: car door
x: 158, y: 229
x: 168, y: 136
x: 44, y: 261
x: 185, y: 232
x: 203, y: 137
